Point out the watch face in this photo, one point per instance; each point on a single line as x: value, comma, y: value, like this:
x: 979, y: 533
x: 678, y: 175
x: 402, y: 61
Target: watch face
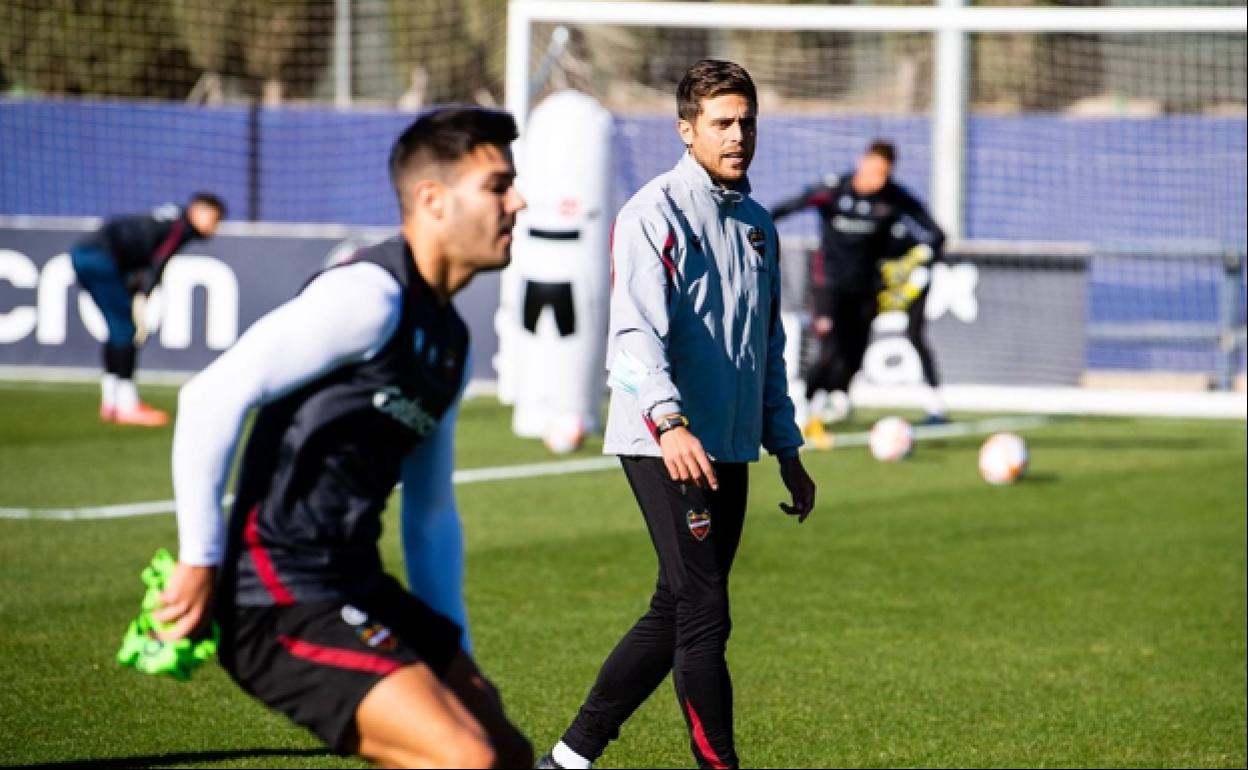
x: 671, y: 421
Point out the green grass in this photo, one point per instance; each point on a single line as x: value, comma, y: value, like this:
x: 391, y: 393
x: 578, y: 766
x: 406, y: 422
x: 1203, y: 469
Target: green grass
x: 1093, y: 615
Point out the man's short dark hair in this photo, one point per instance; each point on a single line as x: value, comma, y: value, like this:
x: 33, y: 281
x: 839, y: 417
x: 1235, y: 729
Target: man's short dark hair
x: 209, y: 199
x: 884, y: 148
x: 443, y: 136
x: 710, y: 78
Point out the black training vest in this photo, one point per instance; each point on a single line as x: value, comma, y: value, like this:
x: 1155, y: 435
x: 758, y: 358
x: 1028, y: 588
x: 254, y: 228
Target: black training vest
x: 141, y: 241
x: 322, y: 461
x: 856, y: 230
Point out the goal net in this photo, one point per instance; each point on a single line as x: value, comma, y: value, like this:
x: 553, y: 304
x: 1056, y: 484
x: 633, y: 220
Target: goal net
x: 1099, y: 212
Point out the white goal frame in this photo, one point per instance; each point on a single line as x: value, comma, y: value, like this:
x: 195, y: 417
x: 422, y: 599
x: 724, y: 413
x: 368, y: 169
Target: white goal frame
x: 950, y: 21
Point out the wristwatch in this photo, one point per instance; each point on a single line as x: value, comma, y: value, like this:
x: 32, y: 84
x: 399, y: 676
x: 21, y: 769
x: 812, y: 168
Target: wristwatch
x: 670, y: 421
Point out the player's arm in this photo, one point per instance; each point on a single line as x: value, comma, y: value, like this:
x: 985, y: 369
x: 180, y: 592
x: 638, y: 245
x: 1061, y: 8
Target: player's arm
x: 147, y: 279
x: 812, y: 196
x: 912, y: 207
x: 781, y: 436
x: 642, y: 299
x: 138, y: 313
x: 433, y: 546
x: 344, y: 316
x: 144, y: 283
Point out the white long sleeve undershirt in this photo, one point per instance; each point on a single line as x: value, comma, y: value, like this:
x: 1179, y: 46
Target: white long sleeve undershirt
x: 344, y: 316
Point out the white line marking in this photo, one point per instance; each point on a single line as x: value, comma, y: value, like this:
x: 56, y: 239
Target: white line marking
x: 950, y: 430
x: 99, y: 512
x: 531, y: 470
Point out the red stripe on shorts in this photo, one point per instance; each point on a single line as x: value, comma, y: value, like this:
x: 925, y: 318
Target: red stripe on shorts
x: 339, y: 657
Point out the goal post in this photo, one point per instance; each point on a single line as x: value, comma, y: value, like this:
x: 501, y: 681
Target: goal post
x: 1086, y: 161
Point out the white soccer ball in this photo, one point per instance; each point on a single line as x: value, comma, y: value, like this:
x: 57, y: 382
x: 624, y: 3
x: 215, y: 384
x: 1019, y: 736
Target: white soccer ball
x: 891, y: 439
x: 1003, y: 458
x: 564, y: 434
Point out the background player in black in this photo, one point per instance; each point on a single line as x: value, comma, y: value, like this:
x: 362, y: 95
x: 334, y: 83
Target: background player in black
x: 858, y: 212
x: 355, y: 378
x: 119, y: 265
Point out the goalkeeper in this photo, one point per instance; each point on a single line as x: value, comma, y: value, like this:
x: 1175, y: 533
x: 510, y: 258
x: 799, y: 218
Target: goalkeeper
x: 860, y: 212
x: 119, y: 265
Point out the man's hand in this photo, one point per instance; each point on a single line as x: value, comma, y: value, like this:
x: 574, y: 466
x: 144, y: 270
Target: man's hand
x: 685, y: 458
x: 186, y: 601
x: 800, y: 486
x: 138, y: 310
x: 822, y: 325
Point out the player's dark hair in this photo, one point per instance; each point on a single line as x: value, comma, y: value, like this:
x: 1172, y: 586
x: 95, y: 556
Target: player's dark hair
x: 710, y: 78
x: 209, y: 199
x: 445, y: 135
x: 884, y: 148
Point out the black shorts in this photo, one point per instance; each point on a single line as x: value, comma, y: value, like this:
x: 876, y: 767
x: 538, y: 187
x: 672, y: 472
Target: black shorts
x: 315, y: 661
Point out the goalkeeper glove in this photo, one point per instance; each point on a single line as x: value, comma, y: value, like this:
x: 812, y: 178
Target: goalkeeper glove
x: 896, y: 271
x: 900, y: 297
x: 141, y: 650
x: 919, y: 254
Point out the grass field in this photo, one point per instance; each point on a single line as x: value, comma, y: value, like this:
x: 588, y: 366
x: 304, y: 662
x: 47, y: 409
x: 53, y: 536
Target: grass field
x: 1093, y: 615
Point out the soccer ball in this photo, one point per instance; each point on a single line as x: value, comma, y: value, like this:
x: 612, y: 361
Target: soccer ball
x: 891, y: 440
x: 564, y: 434
x: 1003, y: 458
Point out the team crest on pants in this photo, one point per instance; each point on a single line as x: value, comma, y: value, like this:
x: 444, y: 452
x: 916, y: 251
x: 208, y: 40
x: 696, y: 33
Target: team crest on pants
x: 699, y: 523
x: 375, y: 635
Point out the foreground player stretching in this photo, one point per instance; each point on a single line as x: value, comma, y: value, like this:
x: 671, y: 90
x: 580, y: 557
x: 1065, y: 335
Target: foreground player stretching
x: 357, y: 379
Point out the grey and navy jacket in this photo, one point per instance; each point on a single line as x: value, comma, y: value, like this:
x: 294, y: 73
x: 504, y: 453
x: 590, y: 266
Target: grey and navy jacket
x: 695, y: 320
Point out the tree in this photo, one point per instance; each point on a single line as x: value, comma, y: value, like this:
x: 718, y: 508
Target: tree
x: 458, y: 44
x: 92, y: 47
x: 281, y: 44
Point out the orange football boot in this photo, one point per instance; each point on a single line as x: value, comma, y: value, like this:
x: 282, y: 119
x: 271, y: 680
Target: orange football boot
x: 142, y: 415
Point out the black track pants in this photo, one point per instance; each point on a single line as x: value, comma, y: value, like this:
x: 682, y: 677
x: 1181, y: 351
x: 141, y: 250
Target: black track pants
x: 695, y: 533
x: 842, y: 350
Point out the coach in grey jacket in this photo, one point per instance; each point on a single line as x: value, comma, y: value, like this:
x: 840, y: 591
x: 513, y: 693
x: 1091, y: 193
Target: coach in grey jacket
x: 696, y: 301
x: 697, y: 384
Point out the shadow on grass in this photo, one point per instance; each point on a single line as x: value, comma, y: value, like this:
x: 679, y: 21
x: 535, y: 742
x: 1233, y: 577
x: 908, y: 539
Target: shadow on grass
x: 183, y: 757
